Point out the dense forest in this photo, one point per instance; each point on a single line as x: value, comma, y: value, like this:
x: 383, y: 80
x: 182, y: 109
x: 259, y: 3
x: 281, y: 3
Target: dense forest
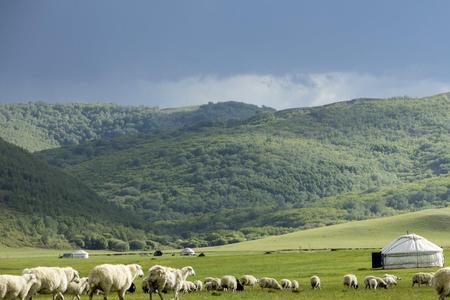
x: 37, y: 125
x: 213, y: 180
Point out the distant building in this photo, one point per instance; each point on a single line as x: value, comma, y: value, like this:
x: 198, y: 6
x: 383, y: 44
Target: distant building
x: 187, y: 252
x: 76, y: 254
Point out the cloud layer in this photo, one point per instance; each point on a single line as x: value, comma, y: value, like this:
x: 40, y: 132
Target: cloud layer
x: 284, y: 91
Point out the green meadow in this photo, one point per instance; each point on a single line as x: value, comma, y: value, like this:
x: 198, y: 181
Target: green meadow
x: 299, y: 265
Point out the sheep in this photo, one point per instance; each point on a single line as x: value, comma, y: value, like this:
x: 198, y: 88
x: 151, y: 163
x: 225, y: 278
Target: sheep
x: 161, y: 278
x: 13, y: 286
x: 188, y: 287
x: 350, y: 281
x: 198, y: 285
x: 390, y: 279
x: 295, y: 285
x: 212, y: 284
x: 373, y: 283
x: 422, y: 278
x: 441, y: 282
x: 380, y: 282
x: 286, y: 283
x: 77, y: 288
x: 230, y: 282
x: 51, y: 280
x: 315, y: 282
x: 269, y: 283
x: 248, y: 280
x: 113, y: 278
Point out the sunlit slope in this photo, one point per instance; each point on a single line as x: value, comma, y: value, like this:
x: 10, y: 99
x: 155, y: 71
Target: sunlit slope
x: 434, y: 224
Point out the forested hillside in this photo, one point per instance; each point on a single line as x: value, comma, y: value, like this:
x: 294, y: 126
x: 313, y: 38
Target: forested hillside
x: 37, y: 125
x: 42, y: 206
x: 298, y: 168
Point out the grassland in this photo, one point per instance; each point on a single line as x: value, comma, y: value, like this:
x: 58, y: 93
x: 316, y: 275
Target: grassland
x: 329, y: 265
x: 374, y: 233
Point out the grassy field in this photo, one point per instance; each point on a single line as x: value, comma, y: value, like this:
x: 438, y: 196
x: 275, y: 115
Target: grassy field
x: 375, y: 233
x: 329, y: 265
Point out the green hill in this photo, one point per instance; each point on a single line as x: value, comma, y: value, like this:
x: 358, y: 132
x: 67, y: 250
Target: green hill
x: 36, y: 125
x: 42, y: 206
x: 276, y: 171
x: 375, y: 233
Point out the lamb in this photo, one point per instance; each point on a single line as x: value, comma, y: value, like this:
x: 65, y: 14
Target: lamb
x: 161, y: 278
x: 269, y: 283
x: 248, y: 280
x: 390, y: 279
x: 212, y: 284
x: 373, y: 283
x: 422, y: 278
x: 198, y: 285
x: 380, y: 282
x: 286, y: 283
x: 350, y: 281
x: 441, y: 282
x: 188, y: 287
x: 113, y: 278
x: 12, y: 286
x: 51, y: 280
x: 78, y: 288
x: 315, y: 282
x: 230, y: 282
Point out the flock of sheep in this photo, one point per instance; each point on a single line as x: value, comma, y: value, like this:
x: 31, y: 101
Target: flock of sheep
x: 107, y: 278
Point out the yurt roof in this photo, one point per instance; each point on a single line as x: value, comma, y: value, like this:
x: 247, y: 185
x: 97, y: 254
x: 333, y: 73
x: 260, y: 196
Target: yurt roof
x: 187, y: 250
x: 410, y: 243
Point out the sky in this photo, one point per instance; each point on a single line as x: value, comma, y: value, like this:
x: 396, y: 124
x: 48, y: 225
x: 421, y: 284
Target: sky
x: 177, y: 53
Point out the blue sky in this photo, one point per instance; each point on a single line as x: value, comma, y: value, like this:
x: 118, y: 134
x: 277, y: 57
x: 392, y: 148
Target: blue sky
x: 176, y: 53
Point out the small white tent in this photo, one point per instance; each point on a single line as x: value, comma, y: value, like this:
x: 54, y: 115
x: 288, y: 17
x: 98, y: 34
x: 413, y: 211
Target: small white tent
x: 187, y: 252
x: 76, y: 254
x: 411, y: 251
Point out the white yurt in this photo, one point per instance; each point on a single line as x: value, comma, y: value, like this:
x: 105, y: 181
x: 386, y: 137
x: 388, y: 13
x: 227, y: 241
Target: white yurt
x: 76, y: 254
x: 411, y: 251
x: 187, y: 252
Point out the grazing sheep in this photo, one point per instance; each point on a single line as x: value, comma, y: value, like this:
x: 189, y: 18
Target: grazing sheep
x: 422, y: 278
x: 77, y: 288
x: 230, y: 282
x: 380, y: 282
x: 390, y: 279
x: 350, y: 281
x: 113, y: 278
x: 51, y: 280
x: 315, y: 282
x: 144, y: 285
x: 161, y: 278
x: 295, y: 285
x: 198, y: 285
x: 286, y: 283
x: 188, y: 287
x: 248, y: 280
x: 12, y: 286
x: 441, y: 282
x: 373, y: 283
x: 212, y: 284
x: 269, y: 283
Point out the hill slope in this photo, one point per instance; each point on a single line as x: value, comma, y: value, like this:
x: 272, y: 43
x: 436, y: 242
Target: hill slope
x: 275, y: 172
x: 43, y: 206
x: 375, y: 233
x: 37, y: 126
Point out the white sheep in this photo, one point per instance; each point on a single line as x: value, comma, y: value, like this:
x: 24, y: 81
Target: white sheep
x: 51, y: 280
x: 441, y: 282
x: 212, y: 284
x: 188, y: 287
x: 295, y: 285
x: 390, y: 279
x: 315, y: 282
x: 113, y: 278
x: 248, y: 280
x: 78, y: 288
x: 286, y: 283
x: 161, y: 278
x: 422, y: 278
x: 13, y: 286
x: 380, y: 281
x: 198, y: 285
x: 373, y: 283
x: 230, y: 282
x: 350, y: 281
x: 269, y: 283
